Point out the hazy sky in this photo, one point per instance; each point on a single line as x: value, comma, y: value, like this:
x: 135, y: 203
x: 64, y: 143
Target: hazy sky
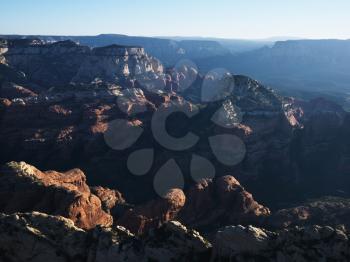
x: 217, y: 18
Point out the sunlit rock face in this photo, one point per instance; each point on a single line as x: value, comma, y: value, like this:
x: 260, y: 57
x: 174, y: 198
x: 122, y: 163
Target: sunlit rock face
x: 113, y: 63
x: 3, y: 49
x: 59, y: 63
x: 24, y: 188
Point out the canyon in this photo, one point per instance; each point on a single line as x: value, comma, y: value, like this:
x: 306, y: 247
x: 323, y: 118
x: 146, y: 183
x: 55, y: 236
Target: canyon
x: 85, y: 112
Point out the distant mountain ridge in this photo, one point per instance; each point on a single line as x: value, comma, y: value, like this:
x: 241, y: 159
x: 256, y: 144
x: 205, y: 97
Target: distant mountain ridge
x: 237, y: 45
x: 59, y: 63
x: 166, y: 50
x: 304, y: 68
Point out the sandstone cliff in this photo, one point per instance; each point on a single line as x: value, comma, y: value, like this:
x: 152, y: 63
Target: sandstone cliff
x: 59, y: 63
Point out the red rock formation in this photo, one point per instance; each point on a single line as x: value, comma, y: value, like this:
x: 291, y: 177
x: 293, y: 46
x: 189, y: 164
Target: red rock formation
x: 221, y: 201
x: 154, y: 213
x: 108, y: 197
x: 24, y: 188
x: 209, y: 204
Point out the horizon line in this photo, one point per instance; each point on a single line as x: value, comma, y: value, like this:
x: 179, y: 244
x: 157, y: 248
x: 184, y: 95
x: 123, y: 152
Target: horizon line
x: 190, y: 37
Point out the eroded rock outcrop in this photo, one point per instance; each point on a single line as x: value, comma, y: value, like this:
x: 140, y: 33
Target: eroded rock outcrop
x: 208, y: 205
x: 212, y: 203
x: 23, y: 188
x: 154, y: 213
x: 109, y: 197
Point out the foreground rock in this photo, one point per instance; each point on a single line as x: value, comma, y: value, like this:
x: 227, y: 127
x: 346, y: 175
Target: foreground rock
x: 324, y: 211
x: 40, y: 237
x: 23, y: 188
x: 235, y: 240
x: 313, y: 243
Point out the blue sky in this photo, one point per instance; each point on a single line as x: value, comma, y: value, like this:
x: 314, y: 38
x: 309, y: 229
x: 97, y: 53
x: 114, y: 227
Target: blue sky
x: 217, y: 18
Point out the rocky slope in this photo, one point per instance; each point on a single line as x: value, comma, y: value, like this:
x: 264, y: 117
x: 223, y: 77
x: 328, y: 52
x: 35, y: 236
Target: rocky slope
x: 288, y: 144
x: 41, y: 238
x: 64, y: 122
